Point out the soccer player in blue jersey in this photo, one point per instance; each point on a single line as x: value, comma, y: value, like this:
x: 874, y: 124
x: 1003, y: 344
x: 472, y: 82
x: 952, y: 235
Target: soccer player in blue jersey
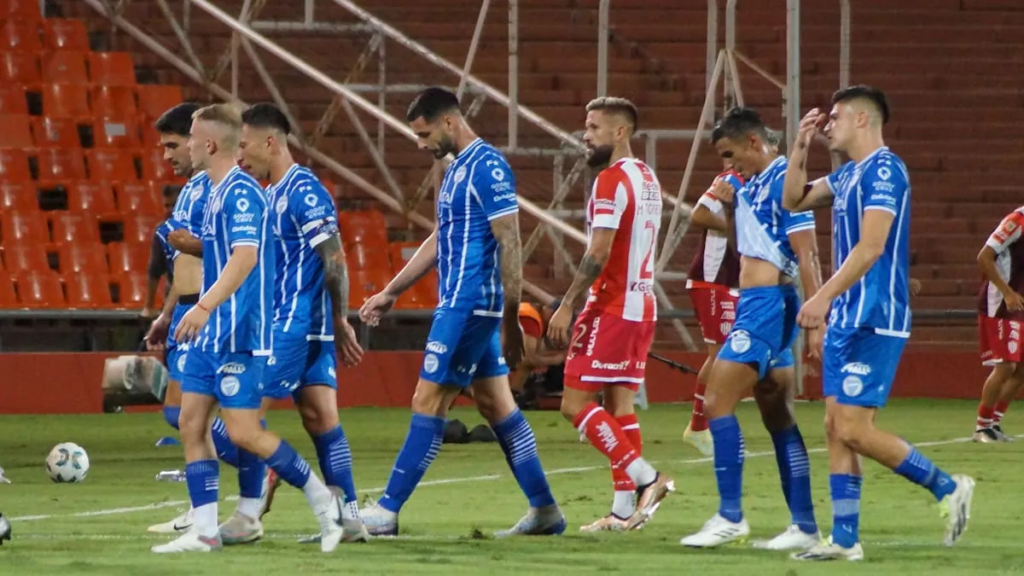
x: 229, y: 331
x: 179, y: 240
x: 477, y: 251
x: 310, y: 307
x: 867, y: 310
x: 776, y: 246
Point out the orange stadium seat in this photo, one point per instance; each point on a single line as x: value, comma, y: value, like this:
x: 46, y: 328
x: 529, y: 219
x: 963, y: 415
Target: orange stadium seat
x: 20, y: 36
x: 88, y: 291
x: 108, y: 133
x: 114, y: 102
x: 112, y: 68
x: 365, y: 283
x: 362, y: 257
x: 75, y: 228
x: 139, y: 198
x: 52, y: 132
x: 111, y: 165
x: 12, y: 100
x: 64, y: 67
x: 16, y: 132
x: 82, y: 258
x: 139, y: 229
x: 132, y: 287
x: 40, y: 290
x: 14, y: 166
x: 25, y: 258
x: 27, y: 10
x: 154, y: 100
x: 399, y: 253
x: 60, y: 166
x: 67, y: 101
x: 65, y: 34
x: 124, y: 257
x: 22, y: 227
x: 18, y: 196
x: 8, y: 298
x: 154, y: 167
x: 91, y: 197
x: 364, y: 227
x: 20, y: 69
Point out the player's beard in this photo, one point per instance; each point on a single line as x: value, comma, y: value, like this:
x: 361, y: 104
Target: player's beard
x: 445, y: 146
x: 600, y: 155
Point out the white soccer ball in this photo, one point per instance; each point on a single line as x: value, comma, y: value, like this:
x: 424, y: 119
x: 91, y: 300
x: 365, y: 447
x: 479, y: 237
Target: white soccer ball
x: 67, y: 462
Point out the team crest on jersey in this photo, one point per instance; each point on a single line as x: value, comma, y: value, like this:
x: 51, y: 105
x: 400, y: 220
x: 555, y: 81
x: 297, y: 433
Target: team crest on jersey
x: 739, y: 341
x: 196, y: 193
x: 181, y: 362
x: 853, y: 386
x: 229, y: 386
x: 310, y: 199
x: 282, y: 204
x: 430, y: 363
x: 460, y: 174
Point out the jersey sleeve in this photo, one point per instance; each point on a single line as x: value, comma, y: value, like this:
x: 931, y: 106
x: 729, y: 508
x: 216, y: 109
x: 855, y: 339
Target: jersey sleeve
x: 157, y: 256
x: 792, y: 222
x: 884, y: 187
x: 1007, y: 233
x: 709, y: 201
x: 610, y: 200
x: 173, y: 223
x: 243, y: 208
x: 495, y: 187
x: 313, y: 208
x: 833, y: 179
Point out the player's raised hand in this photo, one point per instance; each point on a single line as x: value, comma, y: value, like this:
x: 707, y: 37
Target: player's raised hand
x: 558, y: 327
x: 810, y: 126
x: 156, y: 336
x: 378, y: 305
x: 723, y: 190
x: 191, y: 324
x: 346, y: 342
x: 812, y: 314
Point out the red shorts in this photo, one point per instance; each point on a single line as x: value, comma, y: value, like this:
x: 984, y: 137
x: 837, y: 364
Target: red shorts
x: 1000, y: 340
x: 607, y: 350
x: 715, y: 308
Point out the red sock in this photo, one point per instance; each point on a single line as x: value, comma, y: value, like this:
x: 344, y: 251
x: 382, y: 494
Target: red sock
x: 606, y: 435
x: 985, y: 414
x: 698, y: 421
x: 997, y: 414
x: 631, y: 428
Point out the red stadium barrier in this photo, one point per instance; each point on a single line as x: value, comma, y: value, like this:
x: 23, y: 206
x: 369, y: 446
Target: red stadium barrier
x: 68, y: 383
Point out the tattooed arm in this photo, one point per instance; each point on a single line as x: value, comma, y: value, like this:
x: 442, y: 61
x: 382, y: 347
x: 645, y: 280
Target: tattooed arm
x: 590, y: 268
x: 332, y: 255
x: 506, y: 232
x: 799, y: 195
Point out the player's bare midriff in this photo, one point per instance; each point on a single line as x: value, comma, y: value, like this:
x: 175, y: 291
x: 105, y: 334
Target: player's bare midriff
x: 757, y: 273
x: 188, y: 274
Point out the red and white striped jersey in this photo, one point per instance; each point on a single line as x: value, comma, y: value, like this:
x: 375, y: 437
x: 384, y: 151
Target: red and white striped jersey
x: 1005, y: 241
x: 626, y: 198
x: 716, y: 262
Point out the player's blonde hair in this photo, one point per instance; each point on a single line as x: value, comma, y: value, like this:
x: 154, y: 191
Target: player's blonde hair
x: 228, y: 120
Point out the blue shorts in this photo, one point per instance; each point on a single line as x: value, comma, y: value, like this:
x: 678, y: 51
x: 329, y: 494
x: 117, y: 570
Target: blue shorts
x: 764, y: 329
x: 784, y: 360
x: 235, y: 379
x: 298, y: 362
x: 462, y: 347
x: 860, y: 365
x: 174, y: 356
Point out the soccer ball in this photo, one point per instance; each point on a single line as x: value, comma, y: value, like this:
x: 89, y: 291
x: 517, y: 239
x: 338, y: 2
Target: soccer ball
x: 67, y: 462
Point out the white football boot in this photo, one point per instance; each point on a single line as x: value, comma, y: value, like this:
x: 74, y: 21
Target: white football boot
x: 180, y: 524
x: 190, y: 541
x: 716, y: 532
x: 792, y: 539
x: 956, y: 508
x: 700, y: 440
x: 826, y: 551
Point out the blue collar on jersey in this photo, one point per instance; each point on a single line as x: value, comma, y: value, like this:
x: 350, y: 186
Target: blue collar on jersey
x: 768, y: 169
x: 225, y: 179
x: 291, y: 172
x: 874, y: 153
x: 465, y: 151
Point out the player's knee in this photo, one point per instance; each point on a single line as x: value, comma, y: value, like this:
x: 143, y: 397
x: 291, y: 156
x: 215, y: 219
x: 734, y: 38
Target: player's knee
x: 429, y: 398
x: 317, y: 421
x: 848, y: 430
x: 243, y: 433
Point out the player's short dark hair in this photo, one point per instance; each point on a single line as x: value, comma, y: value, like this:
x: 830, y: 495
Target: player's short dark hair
x: 616, y: 105
x: 266, y: 115
x: 865, y: 92
x: 177, y: 120
x: 739, y: 122
x: 431, y: 103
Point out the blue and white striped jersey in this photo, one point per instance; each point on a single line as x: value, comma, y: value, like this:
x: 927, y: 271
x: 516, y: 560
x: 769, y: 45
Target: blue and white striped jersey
x: 763, y: 226
x: 191, y: 205
x: 477, y: 187
x: 880, y: 299
x: 303, y: 216
x: 237, y: 215
x: 162, y: 232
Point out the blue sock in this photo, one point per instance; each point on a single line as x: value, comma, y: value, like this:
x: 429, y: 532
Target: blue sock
x: 845, y: 490
x: 291, y: 467
x: 421, y: 447
x: 520, y: 448
x: 728, y: 439
x: 203, y: 480
x: 250, y: 472
x: 336, y: 461
x: 917, y: 468
x: 795, y: 474
x: 226, y: 450
x: 171, y: 415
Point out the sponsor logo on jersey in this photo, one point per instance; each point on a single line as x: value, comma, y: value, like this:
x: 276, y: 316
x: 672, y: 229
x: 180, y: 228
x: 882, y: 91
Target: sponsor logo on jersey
x: 243, y: 218
x: 332, y: 372
x: 882, y: 187
x: 229, y: 386
x: 232, y: 368
x: 592, y: 341
x: 318, y: 212
x: 728, y: 314
x: 858, y: 368
x: 310, y: 199
x: 725, y: 327
x: 884, y: 173
x: 245, y: 229
x: 498, y: 174
x: 642, y: 286
x: 853, y: 386
x: 436, y: 347
x: 242, y: 204
x: 598, y: 365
